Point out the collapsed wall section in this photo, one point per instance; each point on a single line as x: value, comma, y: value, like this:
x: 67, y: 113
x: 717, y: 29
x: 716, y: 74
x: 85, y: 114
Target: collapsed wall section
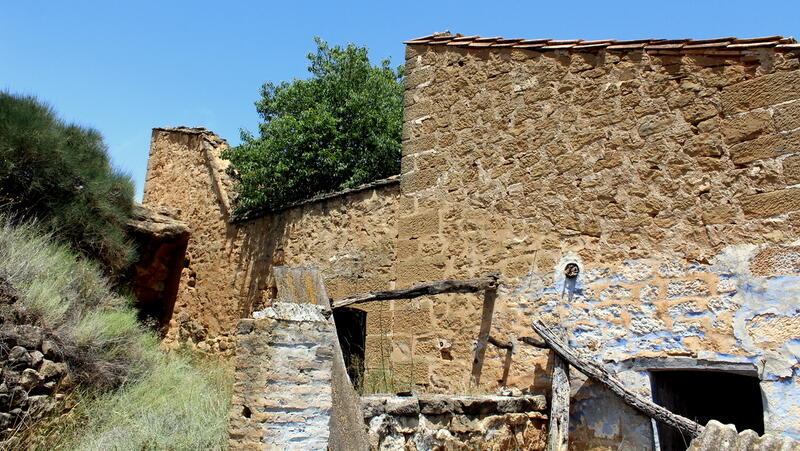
x: 227, y: 272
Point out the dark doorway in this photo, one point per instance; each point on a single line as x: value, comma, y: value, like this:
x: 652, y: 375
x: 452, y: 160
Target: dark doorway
x: 351, y: 327
x: 706, y: 395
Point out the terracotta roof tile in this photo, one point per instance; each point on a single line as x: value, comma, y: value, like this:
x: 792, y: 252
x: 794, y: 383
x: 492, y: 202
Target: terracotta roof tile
x: 719, y: 46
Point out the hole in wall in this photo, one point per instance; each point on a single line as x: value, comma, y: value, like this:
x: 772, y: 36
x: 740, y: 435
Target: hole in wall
x: 246, y: 412
x: 351, y: 327
x: 702, y: 396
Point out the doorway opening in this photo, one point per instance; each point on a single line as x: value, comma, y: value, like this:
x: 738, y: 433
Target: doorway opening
x: 351, y: 327
x: 702, y: 396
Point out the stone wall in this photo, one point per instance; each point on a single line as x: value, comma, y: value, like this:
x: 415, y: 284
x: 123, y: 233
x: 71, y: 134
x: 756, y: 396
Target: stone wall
x: 34, y: 376
x: 437, y: 422
x: 227, y: 270
x: 670, y: 179
x: 723, y: 437
x: 287, y: 405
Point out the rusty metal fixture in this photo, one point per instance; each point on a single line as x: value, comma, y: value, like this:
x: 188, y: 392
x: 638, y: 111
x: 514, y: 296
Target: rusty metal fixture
x: 571, y: 270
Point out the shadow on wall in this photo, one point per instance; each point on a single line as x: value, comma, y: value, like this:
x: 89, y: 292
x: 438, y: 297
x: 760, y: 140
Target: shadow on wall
x: 264, y: 243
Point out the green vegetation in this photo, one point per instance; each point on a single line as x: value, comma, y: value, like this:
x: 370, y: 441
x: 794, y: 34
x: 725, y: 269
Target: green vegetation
x: 338, y: 129
x: 131, y: 394
x: 60, y: 174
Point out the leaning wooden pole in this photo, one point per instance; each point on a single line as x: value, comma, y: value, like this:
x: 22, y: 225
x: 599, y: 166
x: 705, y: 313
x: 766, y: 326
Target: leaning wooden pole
x: 558, y: 433
x: 490, y: 294
x: 645, y: 406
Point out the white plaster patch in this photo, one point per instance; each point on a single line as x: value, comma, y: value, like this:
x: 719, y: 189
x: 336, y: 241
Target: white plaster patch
x: 642, y: 325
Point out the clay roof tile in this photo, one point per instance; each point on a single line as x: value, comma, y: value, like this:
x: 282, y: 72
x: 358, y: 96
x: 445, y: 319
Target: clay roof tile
x: 721, y: 46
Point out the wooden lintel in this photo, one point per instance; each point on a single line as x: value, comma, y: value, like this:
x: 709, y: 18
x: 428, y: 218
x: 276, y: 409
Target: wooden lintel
x: 599, y: 374
x: 423, y: 289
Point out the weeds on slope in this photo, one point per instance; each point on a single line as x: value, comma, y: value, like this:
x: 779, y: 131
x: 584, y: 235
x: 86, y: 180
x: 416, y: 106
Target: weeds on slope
x: 131, y: 394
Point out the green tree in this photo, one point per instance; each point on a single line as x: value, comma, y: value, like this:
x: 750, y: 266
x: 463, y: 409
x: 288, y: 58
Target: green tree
x: 60, y: 175
x: 340, y: 128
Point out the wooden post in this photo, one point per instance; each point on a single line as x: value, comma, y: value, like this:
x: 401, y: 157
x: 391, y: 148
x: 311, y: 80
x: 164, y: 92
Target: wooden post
x: 489, y: 297
x: 558, y: 433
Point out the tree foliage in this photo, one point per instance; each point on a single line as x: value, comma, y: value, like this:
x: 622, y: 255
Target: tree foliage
x: 340, y: 128
x: 60, y: 175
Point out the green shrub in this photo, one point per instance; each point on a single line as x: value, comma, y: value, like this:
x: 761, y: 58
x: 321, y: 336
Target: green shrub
x: 339, y: 129
x: 61, y: 175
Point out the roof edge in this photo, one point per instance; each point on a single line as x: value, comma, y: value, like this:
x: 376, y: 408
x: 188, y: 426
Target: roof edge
x: 722, y: 46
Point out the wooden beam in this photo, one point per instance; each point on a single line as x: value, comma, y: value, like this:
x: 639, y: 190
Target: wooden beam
x: 534, y: 342
x: 423, y: 289
x: 558, y: 430
x: 500, y: 344
x: 483, y: 336
x: 592, y: 370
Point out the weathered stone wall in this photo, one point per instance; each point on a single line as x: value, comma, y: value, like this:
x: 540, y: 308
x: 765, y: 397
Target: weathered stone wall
x: 34, y: 377
x: 456, y: 422
x: 669, y: 179
x: 227, y: 270
x: 282, y: 395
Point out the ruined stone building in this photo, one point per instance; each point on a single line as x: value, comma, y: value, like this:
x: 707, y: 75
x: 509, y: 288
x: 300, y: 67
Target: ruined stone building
x: 668, y: 171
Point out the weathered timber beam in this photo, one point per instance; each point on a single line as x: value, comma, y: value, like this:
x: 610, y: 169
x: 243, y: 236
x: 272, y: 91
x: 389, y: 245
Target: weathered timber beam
x: 423, y: 289
x: 501, y: 344
x: 534, y: 342
x: 558, y: 430
x: 590, y: 369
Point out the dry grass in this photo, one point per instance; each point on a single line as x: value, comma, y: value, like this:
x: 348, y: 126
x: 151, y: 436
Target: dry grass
x: 132, y: 394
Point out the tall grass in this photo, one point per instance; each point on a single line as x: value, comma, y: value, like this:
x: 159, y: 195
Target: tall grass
x: 132, y: 395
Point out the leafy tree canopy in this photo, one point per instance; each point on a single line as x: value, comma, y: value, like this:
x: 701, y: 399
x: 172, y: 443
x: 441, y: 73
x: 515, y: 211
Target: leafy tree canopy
x: 340, y: 128
x: 60, y: 175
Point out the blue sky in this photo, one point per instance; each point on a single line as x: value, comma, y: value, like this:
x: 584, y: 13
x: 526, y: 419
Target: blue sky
x: 125, y: 67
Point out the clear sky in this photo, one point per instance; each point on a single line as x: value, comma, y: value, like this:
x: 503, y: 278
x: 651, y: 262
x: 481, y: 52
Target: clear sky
x: 125, y: 67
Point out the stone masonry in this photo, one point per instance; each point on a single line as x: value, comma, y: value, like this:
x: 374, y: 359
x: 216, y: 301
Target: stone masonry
x: 282, y: 392
x: 445, y: 422
x: 670, y: 175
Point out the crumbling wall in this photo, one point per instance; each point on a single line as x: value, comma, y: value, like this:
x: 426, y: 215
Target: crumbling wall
x: 456, y: 422
x: 227, y: 271
x: 723, y: 437
x: 34, y: 378
x: 286, y: 405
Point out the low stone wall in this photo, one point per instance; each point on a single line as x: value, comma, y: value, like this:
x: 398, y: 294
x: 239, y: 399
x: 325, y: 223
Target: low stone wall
x: 440, y: 422
x: 33, y: 375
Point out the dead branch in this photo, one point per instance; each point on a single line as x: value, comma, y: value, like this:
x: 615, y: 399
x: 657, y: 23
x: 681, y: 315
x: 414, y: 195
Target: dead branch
x: 534, y: 342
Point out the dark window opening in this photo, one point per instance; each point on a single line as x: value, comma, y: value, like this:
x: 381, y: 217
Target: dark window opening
x: 702, y: 396
x: 351, y: 327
